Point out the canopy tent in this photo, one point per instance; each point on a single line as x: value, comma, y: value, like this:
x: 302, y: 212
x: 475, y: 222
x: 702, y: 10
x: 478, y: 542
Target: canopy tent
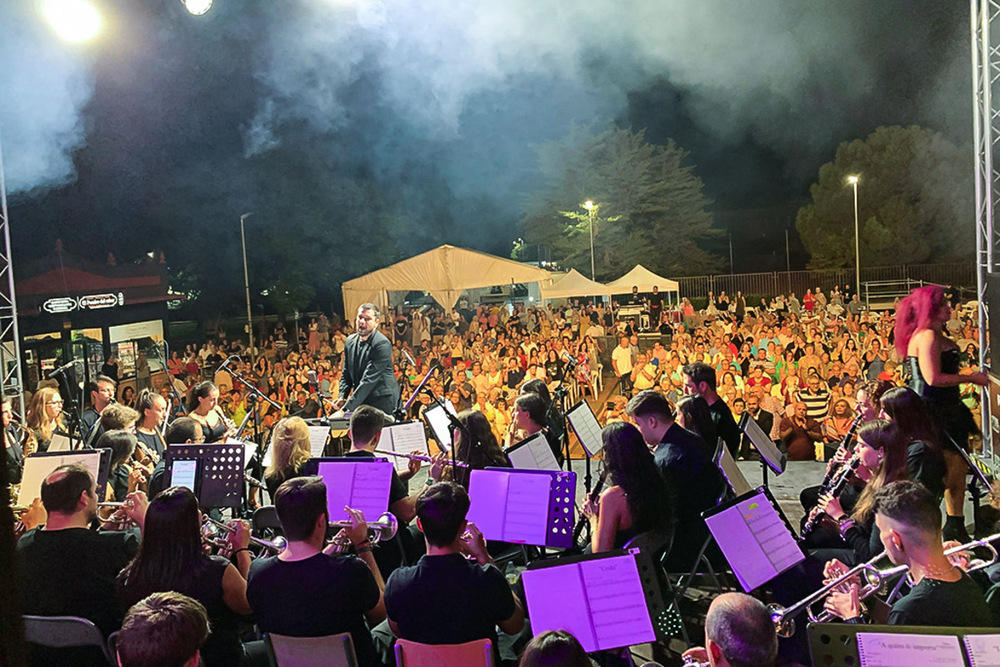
x: 444, y: 273
x: 574, y: 284
x: 644, y: 279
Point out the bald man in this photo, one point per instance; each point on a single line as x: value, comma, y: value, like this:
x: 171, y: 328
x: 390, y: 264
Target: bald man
x: 738, y: 630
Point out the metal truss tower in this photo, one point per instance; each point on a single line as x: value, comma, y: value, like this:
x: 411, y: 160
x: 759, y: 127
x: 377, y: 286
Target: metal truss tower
x: 11, y: 381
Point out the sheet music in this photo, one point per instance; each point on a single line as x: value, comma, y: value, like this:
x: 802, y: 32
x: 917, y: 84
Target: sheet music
x: 877, y: 649
x: 586, y: 427
x: 60, y: 443
x: 37, y: 468
x: 755, y: 540
x: 439, y: 423
x: 488, y: 502
x: 533, y: 453
x: 617, y: 602
x: 363, y: 485
x: 557, y: 601
x: 984, y: 650
x: 526, y: 518
x: 405, y: 438
x: 318, y: 435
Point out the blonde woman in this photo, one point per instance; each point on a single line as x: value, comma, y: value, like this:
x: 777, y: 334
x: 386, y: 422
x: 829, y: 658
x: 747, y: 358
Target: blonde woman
x: 289, y: 450
x: 44, y: 416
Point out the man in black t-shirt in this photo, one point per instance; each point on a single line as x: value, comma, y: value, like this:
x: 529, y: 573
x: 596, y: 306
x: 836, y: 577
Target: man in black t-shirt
x: 444, y: 598
x: 699, y: 379
x: 306, y: 591
x: 67, y: 569
x: 909, y: 523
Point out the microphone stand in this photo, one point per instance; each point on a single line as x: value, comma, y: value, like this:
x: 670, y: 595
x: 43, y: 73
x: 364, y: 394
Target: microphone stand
x: 71, y: 407
x: 401, y: 412
x: 164, y: 355
x: 560, y: 395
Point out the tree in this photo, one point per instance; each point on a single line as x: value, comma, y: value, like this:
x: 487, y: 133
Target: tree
x: 652, y: 208
x: 915, y: 201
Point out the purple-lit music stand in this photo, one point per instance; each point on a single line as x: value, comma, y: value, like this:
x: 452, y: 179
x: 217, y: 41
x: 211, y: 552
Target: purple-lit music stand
x: 489, y: 506
x: 220, y: 470
x: 559, y: 598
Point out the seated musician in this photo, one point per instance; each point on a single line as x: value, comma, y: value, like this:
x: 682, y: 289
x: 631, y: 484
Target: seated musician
x: 444, y: 598
x: 102, y: 394
x: 909, y: 525
x: 289, y: 450
x: 163, y: 629
x: 126, y: 476
x: 182, y: 431
x: 925, y: 459
x: 530, y: 417
x: 152, y: 408
x: 170, y: 558
x: 203, y: 407
x: 364, y: 430
x: 66, y: 568
x: 685, y: 465
x: 739, y: 632
x: 18, y: 441
x: 636, y: 499
x: 483, y: 451
x: 307, y: 591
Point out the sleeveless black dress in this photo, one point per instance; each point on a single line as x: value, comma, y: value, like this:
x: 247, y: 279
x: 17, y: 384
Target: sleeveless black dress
x: 952, y: 417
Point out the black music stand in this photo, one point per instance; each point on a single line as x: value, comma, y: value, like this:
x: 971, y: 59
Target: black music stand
x: 770, y: 455
x: 489, y: 492
x: 220, y: 472
x: 103, y: 468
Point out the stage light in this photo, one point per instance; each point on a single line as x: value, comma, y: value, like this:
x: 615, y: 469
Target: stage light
x: 197, y: 7
x: 74, y: 20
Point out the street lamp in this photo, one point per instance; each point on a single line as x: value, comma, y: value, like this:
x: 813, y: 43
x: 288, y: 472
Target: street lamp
x: 197, y: 7
x: 74, y: 20
x: 853, y: 180
x: 246, y: 282
x: 592, y: 210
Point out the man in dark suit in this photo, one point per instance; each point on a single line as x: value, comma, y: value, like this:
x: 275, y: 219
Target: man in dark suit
x: 763, y: 418
x: 367, y: 377
x: 687, y: 467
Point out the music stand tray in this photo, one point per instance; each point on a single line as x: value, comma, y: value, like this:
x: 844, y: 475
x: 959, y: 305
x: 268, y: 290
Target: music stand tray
x: 836, y: 645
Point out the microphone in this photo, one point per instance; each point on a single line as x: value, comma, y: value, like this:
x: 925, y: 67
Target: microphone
x: 225, y: 364
x: 62, y: 369
x: 570, y: 361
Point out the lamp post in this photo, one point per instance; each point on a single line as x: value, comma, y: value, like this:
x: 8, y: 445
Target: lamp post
x: 853, y: 180
x: 592, y: 211
x: 246, y: 283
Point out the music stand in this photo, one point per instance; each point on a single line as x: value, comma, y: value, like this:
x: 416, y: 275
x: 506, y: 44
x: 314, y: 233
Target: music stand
x: 406, y: 437
x: 40, y: 465
x: 836, y: 645
x: 523, y: 506
x: 602, y: 599
x: 755, y: 537
x: 731, y: 471
x: 770, y: 455
x: 360, y: 483
x: 220, y: 471
x: 533, y: 453
x: 588, y: 431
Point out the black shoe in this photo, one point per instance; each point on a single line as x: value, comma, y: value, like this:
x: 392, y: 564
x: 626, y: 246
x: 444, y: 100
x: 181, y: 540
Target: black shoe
x: 954, y: 529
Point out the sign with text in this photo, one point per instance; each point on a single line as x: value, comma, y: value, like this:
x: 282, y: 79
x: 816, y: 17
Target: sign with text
x: 67, y: 304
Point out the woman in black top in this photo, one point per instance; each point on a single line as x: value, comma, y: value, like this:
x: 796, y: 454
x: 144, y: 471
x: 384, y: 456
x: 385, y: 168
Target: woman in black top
x: 479, y: 450
x: 289, y: 450
x: 125, y: 477
x: 203, y: 408
x: 170, y: 558
x: 925, y: 462
x: 152, y: 411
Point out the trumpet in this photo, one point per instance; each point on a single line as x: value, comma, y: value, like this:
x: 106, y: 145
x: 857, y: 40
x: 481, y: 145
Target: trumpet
x: 381, y: 530
x: 416, y: 457
x: 275, y: 546
x: 119, y: 519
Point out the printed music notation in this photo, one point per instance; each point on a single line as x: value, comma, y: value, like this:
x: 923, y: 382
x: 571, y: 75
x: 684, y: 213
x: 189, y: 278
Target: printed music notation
x: 363, y: 485
x: 533, y: 453
x: 510, y: 507
x: 405, y: 438
x: 876, y: 649
x: 586, y: 427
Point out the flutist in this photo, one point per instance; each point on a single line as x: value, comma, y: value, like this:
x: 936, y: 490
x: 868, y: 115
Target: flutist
x: 909, y: 523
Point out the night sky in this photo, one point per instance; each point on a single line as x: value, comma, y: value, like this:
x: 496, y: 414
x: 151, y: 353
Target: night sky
x: 168, y: 126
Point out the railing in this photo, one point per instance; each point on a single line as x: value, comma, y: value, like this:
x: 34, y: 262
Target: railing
x: 962, y: 274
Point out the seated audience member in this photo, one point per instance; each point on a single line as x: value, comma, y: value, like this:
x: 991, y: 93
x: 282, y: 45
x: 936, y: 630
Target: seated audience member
x: 909, y: 523
x: 66, y: 568
x: 739, y: 632
x: 799, y: 434
x: 686, y: 467
x: 163, y: 630
x: 290, y: 449
x: 306, y: 591
x: 636, y: 498
x: 170, y: 558
x: 473, y: 596
x: 554, y: 648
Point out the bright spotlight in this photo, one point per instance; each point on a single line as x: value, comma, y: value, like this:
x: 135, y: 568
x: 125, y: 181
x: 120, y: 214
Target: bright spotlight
x: 198, y: 7
x: 852, y: 179
x: 74, y: 20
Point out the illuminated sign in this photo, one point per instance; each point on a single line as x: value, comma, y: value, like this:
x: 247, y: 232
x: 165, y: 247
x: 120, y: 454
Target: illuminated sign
x: 67, y: 304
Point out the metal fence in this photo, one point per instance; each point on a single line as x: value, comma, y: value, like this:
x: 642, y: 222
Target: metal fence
x: 962, y: 274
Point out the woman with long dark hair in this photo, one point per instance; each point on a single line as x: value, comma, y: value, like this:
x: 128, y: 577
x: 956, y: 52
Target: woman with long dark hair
x: 694, y: 414
x: 170, y: 558
x: 203, y: 408
x: 933, y: 360
x: 479, y: 450
x: 925, y: 461
x: 636, y: 499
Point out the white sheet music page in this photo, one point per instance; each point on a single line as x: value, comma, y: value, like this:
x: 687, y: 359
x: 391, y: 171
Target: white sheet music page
x: 527, y: 512
x: 878, y: 649
x: 557, y: 601
x: 37, y: 468
x: 406, y: 438
x: 617, y: 602
x: 362, y: 485
x: 318, y: 436
x: 533, y: 454
x: 488, y: 502
x: 586, y: 427
x: 984, y: 650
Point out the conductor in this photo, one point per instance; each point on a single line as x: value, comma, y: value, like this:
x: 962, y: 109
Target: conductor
x: 367, y: 377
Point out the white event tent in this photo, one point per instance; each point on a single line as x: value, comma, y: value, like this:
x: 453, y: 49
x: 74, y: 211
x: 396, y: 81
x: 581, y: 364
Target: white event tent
x: 645, y: 279
x: 444, y: 273
x: 574, y: 284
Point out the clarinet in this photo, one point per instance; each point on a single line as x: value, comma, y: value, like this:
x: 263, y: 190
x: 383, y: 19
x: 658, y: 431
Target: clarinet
x: 831, y: 474
x: 843, y: 477
x: 594, y: 494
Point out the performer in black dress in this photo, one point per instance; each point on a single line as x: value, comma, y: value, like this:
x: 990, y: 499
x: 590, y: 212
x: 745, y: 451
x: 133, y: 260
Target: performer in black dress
x: 933, y: 361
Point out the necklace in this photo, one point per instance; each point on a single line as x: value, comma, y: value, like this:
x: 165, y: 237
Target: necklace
x: 936, y: 573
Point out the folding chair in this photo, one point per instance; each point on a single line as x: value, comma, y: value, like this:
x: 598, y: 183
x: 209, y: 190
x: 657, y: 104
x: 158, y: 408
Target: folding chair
x: 471, y: 654
x: 328, y: 651
x: 65, y: 632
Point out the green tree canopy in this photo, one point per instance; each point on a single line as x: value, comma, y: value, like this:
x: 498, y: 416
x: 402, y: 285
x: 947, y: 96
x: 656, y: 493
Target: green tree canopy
x: 652, y: 209
x: 915, y: 201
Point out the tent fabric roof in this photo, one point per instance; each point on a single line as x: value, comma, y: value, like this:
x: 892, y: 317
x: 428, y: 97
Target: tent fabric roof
x: 444, y: 272
x: 573, y: 284
x: 644, y: 279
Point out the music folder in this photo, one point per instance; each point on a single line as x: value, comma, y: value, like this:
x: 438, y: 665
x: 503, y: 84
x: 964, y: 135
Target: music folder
x: 39, y: 465
x: 523, y: 506
x: 439, y: 424
x: 601, y: 599
x: 588, y: 430
x: 218, y: 475
x: 360, y: 483
x: 533, y: 453
x: 403, y: 438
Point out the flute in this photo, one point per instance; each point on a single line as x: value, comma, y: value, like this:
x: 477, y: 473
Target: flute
x: 418, y: 457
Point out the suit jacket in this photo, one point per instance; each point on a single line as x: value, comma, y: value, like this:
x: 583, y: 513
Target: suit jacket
x: 15, y: 455
x: 367, y: 375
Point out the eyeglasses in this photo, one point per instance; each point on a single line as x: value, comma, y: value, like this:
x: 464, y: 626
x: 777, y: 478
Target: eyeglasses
x: 54, y: 403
